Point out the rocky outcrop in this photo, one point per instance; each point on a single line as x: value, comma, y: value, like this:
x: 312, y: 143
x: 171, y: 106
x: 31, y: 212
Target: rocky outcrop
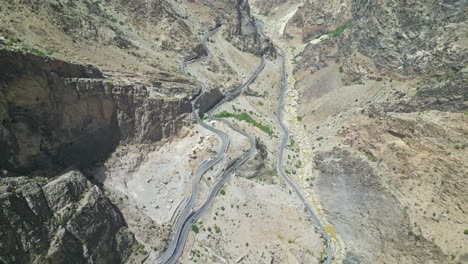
x: 67, y: 220
x: 56, y: 114
x: 367, y: 215
x: 241, y: 29
x: 47, y: 123
x: 317, y: 17
x: 415, y: 37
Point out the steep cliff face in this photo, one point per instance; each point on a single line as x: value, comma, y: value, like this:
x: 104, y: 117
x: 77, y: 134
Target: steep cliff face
x: 67, y: 220
x: 47, y: 124
x: 56, y: 114
x: 241, y: 29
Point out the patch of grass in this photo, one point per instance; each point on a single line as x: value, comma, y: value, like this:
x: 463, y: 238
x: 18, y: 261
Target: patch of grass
x: 11, y: 42
x: 266, y: 13
x: 299, y: 118
x: 337, y: 31
x: 245, y: 117
x: 295, y: 60
x: 34, y: 51
x: 371, y: 157
x: 379, y: 79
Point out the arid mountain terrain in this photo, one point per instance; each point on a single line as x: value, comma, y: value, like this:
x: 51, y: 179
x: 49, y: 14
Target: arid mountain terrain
x: 233, y: 131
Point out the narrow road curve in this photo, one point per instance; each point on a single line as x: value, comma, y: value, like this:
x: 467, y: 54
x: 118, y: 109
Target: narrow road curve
x: 204, y: 167
x: 279, y: 164
x: 187, y: 216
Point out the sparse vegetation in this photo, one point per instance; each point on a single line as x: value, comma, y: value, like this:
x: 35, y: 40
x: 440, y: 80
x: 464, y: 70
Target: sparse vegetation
x: 34, y: 51
x: 371, y: 157
x: 337, y: 31
x: 245, y: 117
x: 113, y: 19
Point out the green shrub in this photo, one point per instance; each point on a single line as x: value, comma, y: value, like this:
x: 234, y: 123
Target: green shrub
x: 222, y: 192
x: 245, y: 117
x: 35, y: 51
x: 337, y: 31
x: 195, y: 229
x: 371, y: 157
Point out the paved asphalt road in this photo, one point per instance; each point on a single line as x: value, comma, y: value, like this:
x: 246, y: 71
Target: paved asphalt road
x: 187, y: 216
x: 279, y: 164
x: 186, y: 211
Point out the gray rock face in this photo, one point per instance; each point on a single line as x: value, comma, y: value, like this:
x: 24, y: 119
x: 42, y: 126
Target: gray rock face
x: 67, y: 220
x: 56, y: 114
x: 46, y: 123
x: 412, y: 36
x: 367, y: 215
x: 317, y: 17
x: 242, y: 31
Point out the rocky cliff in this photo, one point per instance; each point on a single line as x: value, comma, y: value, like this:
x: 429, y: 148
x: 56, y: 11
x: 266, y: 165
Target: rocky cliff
x: 241, y: 28
x: 383, y: 96
x: 56, y: 114
x: 59, y: 114
x: 67, y: 220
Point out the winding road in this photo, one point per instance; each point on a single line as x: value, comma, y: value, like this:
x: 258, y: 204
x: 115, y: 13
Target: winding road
x: 182, y: 220
x: 188, y: 215
x: 279, y: 164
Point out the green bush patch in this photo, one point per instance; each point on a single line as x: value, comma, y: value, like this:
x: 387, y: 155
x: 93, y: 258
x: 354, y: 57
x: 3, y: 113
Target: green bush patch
x: 245, y: 117
x: 337, y: 31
